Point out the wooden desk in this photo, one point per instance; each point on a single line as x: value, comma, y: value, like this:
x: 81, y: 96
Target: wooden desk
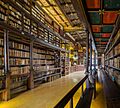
x: 46, y: 95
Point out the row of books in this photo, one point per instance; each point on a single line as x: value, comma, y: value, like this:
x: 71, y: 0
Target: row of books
x: 2, y: 73
x: 14, y: 18
x: 14, y: 24
x: 117, y: 77
x: 116, y: 37
x: 17, y: 61
x: 3, y: 8
x: 39, y: 68
x: 2, y: 85
x: 1, y: 42
x: 17, y: 53
x: 17, y: 45
x: 43, y: 62
x: 117, y: 49
x: 35, y: 50
x: 18, y: 79
x: 38, y: 13
x: 34, y: 29
x: 17, y: 84
x: 35, y: 55
x: 14, y: 12
x: 43, y: 68
x: 1, y: 61
x: 1, y: 50
x: 19, y: 70
x: 39, y: 61
x: 49, y: 57
x: 26, y: 21
x: 117, y: 62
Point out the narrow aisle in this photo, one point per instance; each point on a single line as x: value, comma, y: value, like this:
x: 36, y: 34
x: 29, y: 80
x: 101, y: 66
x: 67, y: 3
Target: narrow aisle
x: 100, y: 101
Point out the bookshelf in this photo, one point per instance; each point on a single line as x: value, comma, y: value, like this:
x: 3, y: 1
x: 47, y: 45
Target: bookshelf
x: 3, y: 11
x: 112, y: 59
x: 46, y: 65
x: 19, y: 63
x: 2, y: 73
x: 39, y: 65
x: 22, y: 23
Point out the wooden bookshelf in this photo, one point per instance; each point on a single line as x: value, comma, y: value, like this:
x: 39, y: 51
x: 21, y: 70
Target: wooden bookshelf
x: 19, y: 63
x: 31, y: 45
x: 45, y: 64
x: 112, y: 59
x: 2, y: 73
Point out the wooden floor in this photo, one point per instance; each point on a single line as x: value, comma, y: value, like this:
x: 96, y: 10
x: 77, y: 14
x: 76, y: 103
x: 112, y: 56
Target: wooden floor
x: 46, y: 95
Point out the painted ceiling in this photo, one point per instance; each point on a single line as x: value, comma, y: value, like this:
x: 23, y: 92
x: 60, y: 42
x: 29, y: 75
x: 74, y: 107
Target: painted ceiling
x: 102, y: 16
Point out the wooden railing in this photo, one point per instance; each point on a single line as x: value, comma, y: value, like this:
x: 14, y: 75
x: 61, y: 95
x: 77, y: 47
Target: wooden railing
x: 69, y: 96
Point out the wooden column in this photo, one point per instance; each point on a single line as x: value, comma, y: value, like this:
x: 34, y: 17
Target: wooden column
x: 95, y: 58
x: 31, y: 79
x: 87, y: 52
x: 87, y: 60
x: 90, y: 56
x: 95, y: 74
x: 60, y: 63
x: 6, y: 95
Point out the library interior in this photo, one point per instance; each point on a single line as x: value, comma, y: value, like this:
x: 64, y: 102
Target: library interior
x: 59, y: 53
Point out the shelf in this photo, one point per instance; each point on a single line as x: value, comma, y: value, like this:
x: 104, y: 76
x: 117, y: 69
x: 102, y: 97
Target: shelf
x: 19, y: 65
x: 118, y: 69
x: 39, y: 65
x: 114, y: 44
x: 54, y: 68
x: 20, y: 49
x: 46, y: 70
x: 45, y: 76
x: 19, y: 75
x: 39, y: 59
x: 20, y: 57
x: 50, y: 59
x: 115, y: 56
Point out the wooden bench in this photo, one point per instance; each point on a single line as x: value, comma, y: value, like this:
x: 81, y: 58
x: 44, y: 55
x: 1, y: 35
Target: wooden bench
x: 111, y: 91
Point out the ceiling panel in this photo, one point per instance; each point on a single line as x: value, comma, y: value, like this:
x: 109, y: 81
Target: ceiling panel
x: 107, y: 28
x: 96, y: 28
x: 105, y: 35
x: 93, y: 4
x: 109, y: 17
x: 96, y: 35
x: 94, y: 18
x: 111, y: 4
